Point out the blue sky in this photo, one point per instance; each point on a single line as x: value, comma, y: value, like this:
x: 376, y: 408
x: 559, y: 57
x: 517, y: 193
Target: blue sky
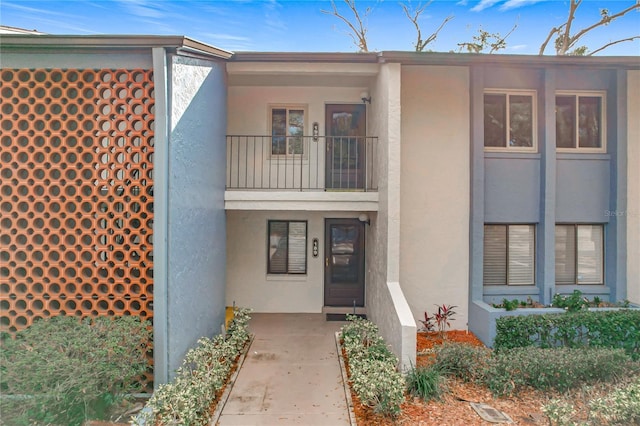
x: 299, y: 25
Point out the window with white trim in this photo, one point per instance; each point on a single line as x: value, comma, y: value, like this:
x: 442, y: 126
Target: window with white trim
x: 287, y: 130
x: 509, y: 121
x: 509, y: 255
x: 580, y: 121
x: 579, y: 254
x: 287, y: 247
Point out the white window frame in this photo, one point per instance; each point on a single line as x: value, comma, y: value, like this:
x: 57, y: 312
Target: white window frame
x: 534, y: 118
x: 603, y: 119
x: 507, y: 260
x: 576, y: 253
x: 305, y: 132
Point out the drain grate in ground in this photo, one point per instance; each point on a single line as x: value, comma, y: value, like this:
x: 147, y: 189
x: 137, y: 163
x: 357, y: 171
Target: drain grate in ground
x: 490, y: 414
x: 342, y: 317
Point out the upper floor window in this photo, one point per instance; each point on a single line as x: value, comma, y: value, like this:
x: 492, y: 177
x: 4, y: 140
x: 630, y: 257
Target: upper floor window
x: 509, y: 121
x: 287, y: 130
x: 509, y: 254
x: 580, y: 121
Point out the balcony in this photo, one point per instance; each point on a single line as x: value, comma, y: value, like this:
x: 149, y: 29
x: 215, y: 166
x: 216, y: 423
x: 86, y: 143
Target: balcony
x: 302, y: 163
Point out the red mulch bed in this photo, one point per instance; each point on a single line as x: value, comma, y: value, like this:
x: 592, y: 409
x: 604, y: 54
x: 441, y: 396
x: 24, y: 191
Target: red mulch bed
x: 453, y: 408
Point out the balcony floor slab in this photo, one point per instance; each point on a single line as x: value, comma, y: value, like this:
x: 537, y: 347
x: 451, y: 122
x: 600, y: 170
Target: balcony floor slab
x: 301, y: 200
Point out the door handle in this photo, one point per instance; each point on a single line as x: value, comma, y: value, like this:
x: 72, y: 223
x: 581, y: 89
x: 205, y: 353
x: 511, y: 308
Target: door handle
x: 326, y: 262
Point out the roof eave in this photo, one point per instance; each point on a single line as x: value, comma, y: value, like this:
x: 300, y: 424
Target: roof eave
x: 111, y: 42
x: 436, y: 58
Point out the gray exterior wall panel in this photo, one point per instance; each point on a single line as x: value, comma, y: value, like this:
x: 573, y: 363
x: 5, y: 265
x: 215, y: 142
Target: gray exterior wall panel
x: 582, y: 189
x: 512, y: 189
x: 197, y: 224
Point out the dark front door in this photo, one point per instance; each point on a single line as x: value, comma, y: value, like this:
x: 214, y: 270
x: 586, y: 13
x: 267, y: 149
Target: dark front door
x: 344, y: 262
x: 345, y: 161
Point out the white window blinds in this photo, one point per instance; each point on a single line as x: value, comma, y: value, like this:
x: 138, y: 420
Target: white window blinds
x: 565, y: 254
x: 590, y: 254
x: 579, y: 254
x: 509, y: 255
x: 287, y: 247
x: 521, y: 254
x: 495, y: 255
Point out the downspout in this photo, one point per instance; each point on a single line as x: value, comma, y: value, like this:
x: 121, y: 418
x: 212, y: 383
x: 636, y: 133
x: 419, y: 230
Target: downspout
x: 161, y: 219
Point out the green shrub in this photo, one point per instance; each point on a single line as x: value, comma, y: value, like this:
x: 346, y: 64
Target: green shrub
x: 425, y: 382
x: 63, y: 370
x: 604, y: 329
x: 622, y: 406
x: 461, y: 360
x: 572, y: 303
x: 510, y: 305
x: 560, y: 412
x: 559, y: 368
x: 204, y: 371
x: 372, y: 365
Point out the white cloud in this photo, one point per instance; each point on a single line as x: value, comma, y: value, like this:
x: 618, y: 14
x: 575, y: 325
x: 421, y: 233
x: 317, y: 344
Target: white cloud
x: 514, y: 4
x: 225, y: 37
x: 272, y: 16
x: 517, y: 47
x: 143, y: 8
x: 484, y: 4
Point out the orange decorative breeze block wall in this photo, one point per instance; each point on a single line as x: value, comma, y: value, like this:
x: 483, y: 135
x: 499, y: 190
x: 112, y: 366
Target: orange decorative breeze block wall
x: 76, y: 194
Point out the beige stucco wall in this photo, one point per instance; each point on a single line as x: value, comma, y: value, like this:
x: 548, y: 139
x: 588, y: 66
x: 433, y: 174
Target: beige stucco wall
x: 633, y: 187
x: 248, y: 284
x: 434, y: 231
x: 386, y: 304
x: 248, y: 106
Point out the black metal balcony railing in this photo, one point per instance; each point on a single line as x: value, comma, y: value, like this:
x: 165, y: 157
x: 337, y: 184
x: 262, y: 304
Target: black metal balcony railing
x: 303, y: 163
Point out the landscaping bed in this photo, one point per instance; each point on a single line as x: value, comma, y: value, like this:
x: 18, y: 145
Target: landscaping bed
x: 529, y: 386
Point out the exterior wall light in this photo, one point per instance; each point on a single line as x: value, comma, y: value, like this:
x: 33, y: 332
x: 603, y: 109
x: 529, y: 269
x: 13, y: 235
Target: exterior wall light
x: 364, y: 219
x: 366, y: 97
x: 316, y: 131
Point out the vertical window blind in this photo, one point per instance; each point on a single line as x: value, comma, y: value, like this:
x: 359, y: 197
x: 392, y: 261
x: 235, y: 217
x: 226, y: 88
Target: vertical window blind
x: 579, y: 254
x: 509, y: 255
x: 287, y: 247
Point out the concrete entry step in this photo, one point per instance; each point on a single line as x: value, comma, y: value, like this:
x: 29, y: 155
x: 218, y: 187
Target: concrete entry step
x: 342, y: 317
x: 344, y: 310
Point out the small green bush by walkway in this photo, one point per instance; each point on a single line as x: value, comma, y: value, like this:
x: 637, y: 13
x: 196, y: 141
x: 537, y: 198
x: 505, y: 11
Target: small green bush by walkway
x: 372, y: 365
x: 63, y: 370
x: 425, y: 382
x: 602, y: 329
x: 188, y: 399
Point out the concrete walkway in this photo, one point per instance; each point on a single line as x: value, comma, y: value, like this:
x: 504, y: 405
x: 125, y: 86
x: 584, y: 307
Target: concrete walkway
x: 291, y: 375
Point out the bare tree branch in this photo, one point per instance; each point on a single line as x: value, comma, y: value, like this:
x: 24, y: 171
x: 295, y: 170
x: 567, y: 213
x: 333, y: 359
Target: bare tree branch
x: 413, y: 15
x: 501, y: 42
x: 482, y: 41
x: 612, y: 43
x: 553, y: 31
x: 358, y: 29
x: 565, y: 37
x: 606, y: 19
x: 565, y: 41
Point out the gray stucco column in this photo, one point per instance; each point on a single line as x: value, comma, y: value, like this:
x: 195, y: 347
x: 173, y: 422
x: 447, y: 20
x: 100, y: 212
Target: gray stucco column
x: 546, y: 256
x: 476, y: 225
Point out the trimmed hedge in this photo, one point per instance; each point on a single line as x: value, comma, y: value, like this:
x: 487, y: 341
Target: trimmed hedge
x: 601, y: 329
x: 64, y: 370
x: 373, y: 374
x: 188, y: 399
